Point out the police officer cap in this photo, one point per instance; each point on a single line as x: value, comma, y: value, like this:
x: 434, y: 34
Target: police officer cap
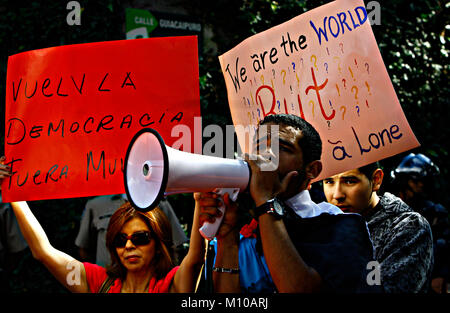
x: 416, y: 166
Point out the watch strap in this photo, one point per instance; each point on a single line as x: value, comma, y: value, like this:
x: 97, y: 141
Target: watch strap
x: 267, y: 207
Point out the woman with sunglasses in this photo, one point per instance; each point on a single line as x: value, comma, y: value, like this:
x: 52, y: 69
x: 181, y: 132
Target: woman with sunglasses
x: 140, y: 247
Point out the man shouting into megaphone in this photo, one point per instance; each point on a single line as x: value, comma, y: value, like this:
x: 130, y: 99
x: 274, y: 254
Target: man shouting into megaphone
x: 296, y: 245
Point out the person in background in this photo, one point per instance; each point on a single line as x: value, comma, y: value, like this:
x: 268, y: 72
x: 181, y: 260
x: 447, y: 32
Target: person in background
x: 12, y: 244
x: 414, y: 181
x: 401, y: 237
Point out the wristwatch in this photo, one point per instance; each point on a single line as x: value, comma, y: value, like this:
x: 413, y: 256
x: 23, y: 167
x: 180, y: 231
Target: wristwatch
x: 273, y: 206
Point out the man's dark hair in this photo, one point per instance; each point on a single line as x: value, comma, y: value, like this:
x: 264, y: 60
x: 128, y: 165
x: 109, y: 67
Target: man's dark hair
x: 369, y: 169
x: 310, y: 141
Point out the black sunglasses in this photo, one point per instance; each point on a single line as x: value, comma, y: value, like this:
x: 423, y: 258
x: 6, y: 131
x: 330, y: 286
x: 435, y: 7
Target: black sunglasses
x: 140, y: 238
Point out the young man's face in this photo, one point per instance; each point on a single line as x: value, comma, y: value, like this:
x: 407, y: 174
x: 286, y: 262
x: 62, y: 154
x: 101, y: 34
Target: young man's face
x: 351, y: 191
x: 290, y: 153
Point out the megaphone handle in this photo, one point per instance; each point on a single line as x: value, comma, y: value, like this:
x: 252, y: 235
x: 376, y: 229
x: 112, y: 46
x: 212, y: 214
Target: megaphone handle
x: 209, y: 230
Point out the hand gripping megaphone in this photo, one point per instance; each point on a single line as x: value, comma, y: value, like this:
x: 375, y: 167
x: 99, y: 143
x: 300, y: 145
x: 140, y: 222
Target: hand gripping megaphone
x: 153, y: 170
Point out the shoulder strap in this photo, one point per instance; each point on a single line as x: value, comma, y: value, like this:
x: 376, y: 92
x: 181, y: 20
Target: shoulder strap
x: 107, y: 283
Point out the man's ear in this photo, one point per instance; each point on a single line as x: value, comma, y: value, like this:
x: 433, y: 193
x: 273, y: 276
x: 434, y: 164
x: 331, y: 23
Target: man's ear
x: 377, y: 179
x: 313, y: 169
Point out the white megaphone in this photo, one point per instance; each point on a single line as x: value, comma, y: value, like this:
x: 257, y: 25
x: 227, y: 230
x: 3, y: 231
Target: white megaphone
x: 153, y: 170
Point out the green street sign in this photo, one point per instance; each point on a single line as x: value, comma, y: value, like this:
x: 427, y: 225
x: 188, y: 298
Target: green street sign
x: 139, y: 23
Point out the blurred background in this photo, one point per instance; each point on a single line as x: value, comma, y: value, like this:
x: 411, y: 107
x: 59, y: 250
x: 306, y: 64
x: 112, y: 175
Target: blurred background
x: 413, y: 38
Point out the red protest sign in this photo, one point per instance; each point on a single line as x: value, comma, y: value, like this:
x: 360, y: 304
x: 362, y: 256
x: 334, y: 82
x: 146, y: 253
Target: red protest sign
x: 71, y: 111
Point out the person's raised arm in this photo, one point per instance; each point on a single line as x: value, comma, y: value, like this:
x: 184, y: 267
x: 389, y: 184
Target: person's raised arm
x: 227, y: 236
x: 68, y: 271
x: 64, y: 268
x: 288, y: 270
x: 186, y: 276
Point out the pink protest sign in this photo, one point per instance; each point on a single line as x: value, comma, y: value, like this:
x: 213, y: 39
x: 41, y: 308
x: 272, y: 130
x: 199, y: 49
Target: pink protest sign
x: 324, y: 66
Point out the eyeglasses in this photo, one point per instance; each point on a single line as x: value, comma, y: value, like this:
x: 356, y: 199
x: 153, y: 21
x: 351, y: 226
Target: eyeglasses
x: 140, y: 238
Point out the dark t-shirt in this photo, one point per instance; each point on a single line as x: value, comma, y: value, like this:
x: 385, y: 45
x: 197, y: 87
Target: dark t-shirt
x: 338, y: 247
